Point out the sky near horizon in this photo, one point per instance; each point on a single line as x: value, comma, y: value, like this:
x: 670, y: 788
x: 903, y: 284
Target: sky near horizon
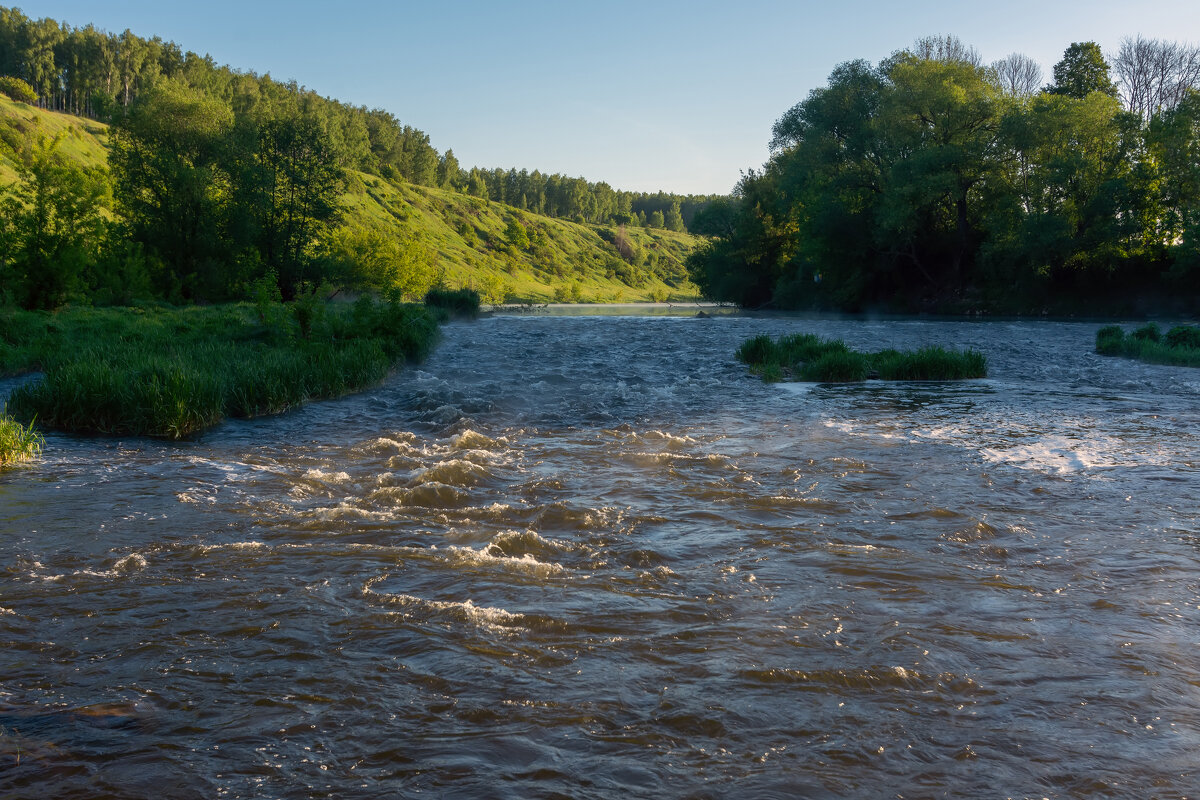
x: 670, y: 95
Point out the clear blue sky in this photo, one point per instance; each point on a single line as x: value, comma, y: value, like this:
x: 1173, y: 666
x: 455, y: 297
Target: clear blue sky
x: 669, y: 95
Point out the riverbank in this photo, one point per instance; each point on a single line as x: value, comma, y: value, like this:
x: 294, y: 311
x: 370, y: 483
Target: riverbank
x: 172, y: 372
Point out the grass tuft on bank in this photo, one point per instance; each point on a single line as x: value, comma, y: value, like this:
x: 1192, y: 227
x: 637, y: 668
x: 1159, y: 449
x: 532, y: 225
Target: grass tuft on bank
x: 807, y: 357
x: 1179, y: 347
x: 18, y: 442
x: 170, y: 373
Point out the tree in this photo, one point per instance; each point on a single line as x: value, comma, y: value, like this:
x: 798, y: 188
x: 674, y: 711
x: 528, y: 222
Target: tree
x: 449, y: 174
x: 1018, y: 75
x: 169, y: 163
x: 948, y: 49
x: 292, y: 195
x: 1156, y: 75
x: 50, y: 226
x: 370, y: 259
x: 1082, y: 71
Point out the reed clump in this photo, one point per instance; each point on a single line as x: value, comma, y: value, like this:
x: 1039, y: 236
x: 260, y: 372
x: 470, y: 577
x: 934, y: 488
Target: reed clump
x: 1179, y: 347
x: 168, y: 372
x: 807, y: 357
x: 18, y: 442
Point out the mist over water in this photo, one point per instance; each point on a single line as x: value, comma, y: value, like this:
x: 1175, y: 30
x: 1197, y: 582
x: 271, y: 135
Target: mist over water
x: 592, y: 557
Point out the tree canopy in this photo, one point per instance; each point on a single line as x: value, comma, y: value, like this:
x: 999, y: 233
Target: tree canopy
x: 930, y: 181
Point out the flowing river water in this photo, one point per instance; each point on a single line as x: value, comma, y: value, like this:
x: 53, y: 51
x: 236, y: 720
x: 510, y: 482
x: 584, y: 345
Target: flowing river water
x: 590, y: 557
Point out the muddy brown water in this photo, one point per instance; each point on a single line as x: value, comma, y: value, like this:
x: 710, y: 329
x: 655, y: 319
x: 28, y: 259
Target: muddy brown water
x: 590, y: 557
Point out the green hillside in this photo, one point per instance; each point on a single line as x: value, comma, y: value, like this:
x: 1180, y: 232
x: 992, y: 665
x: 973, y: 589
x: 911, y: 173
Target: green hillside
x: 503, y: 252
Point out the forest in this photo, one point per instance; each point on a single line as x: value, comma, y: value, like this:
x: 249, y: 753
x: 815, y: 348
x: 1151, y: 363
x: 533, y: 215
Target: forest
x: 217, y: 182
x: 932, y: 182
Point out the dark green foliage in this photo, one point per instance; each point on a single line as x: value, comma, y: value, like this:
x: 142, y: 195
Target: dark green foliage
x: 1148, y: 333
x: 1109, y: 340
x: 1082, y: 71
x: 836, y: 366
x: 757, y: 350
x: 1180, y: 347
x: 929, y: 364
x: 1184, y: 336
x: 807, y: 357
x: 919, y: 184
x: 172, y: 373
x: 459, y: 302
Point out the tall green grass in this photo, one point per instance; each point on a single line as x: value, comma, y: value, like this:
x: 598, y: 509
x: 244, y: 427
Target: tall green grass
x: 173, y: 372
x: 1180, y: 347
x: 18, y: 442
x: 807, y: 357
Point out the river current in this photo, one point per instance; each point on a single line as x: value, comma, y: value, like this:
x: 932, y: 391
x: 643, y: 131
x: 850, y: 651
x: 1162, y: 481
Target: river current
x: 591, y: 557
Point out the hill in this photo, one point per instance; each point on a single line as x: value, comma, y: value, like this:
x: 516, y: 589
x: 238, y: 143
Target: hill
x: 461, y: 240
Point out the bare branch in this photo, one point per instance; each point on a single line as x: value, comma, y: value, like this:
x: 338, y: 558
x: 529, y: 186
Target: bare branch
x: 1018, y: 75
x: 947, y: 48
x: 1155, y: 75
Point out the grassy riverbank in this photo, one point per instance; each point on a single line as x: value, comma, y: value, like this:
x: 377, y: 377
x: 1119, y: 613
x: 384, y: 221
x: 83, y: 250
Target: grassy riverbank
x: 170, y: 372
x: 807, y: 357
x: 1180, y: 346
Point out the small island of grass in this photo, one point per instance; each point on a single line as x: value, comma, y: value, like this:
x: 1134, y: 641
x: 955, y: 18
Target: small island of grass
x: 1179, y: 347
x: 807, y: 357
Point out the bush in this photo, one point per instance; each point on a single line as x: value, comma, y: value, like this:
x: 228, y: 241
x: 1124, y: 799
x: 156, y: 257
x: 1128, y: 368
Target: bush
x: 1184, y: 336
x: 18, y: 90
x: 1148, y: 333
x: 459, y: 302
x: 1110, y: 340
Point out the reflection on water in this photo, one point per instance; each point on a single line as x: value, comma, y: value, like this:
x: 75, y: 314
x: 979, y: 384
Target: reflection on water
x: 591, y: 557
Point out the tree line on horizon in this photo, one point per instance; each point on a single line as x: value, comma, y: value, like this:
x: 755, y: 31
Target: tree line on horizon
x: 100, y: 75
x: 933, y: 181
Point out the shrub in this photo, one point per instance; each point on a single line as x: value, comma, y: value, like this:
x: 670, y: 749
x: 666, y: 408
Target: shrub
x: 460, y: 302
x: 1184, y: 336
x: 1148, y: 333
x: 18, y: 90
x: 1110, y: 340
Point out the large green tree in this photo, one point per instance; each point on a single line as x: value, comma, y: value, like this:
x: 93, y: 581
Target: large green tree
x: 169, y: 160
x: 1081, y: 71
x: 292, y: 196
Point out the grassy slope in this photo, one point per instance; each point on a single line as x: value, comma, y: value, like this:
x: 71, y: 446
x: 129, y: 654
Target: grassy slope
x: 573, y: 261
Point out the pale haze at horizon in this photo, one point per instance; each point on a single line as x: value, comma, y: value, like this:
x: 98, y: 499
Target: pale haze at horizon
x: 669, y: 96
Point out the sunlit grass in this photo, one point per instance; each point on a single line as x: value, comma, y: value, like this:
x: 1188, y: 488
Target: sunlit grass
x: 807, y: 357
x: 1179, y: 347
x: 173, y: 372
x: 18, y: 442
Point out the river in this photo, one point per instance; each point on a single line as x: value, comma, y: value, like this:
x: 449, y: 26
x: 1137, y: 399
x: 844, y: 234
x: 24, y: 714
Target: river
x: 591, y: 557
